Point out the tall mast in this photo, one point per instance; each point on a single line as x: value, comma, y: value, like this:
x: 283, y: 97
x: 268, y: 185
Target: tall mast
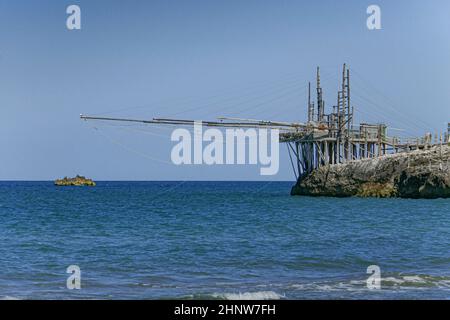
x: 319, y: 98
x: 350, y: 116
x: 309, y: 102
x: 345, y: 111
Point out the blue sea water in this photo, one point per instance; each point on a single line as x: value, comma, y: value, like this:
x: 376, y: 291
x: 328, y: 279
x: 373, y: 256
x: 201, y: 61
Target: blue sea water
x: 224, y: 240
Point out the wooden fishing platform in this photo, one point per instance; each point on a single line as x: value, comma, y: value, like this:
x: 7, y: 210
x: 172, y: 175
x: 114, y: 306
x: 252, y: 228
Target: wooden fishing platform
x: 326, y: 138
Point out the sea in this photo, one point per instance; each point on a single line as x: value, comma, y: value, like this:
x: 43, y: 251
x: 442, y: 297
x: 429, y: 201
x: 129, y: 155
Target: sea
x: 217, y: 240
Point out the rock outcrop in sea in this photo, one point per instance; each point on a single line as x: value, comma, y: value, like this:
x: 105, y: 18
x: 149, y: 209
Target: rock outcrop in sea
x: 77, y: 181
x: 415, y: 174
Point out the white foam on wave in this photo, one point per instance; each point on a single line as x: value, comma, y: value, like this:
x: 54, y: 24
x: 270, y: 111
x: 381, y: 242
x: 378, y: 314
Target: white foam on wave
x: 258, y: 295
x: 399, y: 282
x: 417, y: 281
x: 322, y: 286
x: 392, y: 280
x: 9, y: 298
x: 414, y: 279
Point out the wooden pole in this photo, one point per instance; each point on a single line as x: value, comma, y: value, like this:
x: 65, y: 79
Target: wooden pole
x: 309, y: 102
x: 350, y: 116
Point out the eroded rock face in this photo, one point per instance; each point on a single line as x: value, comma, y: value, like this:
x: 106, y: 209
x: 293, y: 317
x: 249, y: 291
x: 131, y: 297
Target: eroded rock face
x: 424, y: 184
x: 417, y: 174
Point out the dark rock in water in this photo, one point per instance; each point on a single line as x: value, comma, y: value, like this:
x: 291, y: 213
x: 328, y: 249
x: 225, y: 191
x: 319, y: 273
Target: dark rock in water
x: 77, y: 181
x: 416, y: 174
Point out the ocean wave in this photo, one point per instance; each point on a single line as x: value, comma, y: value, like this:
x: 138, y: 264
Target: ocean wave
x: 255, y: 295
x: 391, y: 282
x: 9, y: 298
x: 258, y: 295
x: 416, y: 281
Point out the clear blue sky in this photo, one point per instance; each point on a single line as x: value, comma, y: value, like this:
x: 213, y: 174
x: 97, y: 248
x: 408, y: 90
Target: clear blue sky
x: 202, y: 59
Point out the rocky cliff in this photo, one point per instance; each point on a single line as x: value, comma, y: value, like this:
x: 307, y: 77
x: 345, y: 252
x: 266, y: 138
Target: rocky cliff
x: 416, y: 174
